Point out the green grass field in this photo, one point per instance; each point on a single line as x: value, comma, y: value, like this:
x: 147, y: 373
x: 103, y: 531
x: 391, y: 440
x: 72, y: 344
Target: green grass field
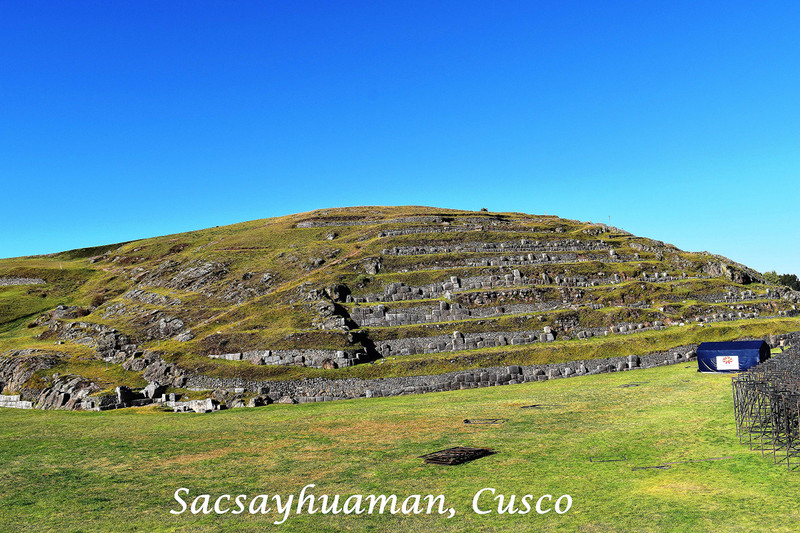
x: 118, y: 471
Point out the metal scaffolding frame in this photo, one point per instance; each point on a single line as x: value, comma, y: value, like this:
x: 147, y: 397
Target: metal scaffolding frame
x: 766, y: 403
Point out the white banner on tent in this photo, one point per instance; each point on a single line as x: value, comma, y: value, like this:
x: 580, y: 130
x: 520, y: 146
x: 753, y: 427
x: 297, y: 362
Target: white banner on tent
x: 727, y: 362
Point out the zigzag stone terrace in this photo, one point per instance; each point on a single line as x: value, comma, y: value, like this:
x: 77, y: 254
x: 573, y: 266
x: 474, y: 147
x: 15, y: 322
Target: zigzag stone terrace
x: 344, y: 288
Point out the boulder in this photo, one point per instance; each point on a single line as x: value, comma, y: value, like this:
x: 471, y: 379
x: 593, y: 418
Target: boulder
x: 153, y: 390
x: 185, y: 336
x: 372, y: 265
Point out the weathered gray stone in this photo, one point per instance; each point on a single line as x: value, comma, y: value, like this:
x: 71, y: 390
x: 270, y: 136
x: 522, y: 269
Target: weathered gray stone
x: 185, y: 336
x: 153, y: 390
x: 124, y: 394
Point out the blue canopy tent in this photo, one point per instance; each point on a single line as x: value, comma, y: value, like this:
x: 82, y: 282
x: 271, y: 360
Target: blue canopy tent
x: 733, y: 356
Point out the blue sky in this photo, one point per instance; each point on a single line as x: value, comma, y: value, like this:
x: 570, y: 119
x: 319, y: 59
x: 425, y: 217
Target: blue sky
x: 679, y: 120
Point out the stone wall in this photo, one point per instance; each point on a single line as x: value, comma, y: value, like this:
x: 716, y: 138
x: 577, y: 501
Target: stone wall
x: 379, y: 316
x: 568, y: 245
x: 399, y: 291
x: 320, y: 389
x: 21, y: 281
x: 309, y: 358
x: 448, y: 223
x: 551, y: 258
x: 13, y: 401
x: 458, y: 341
x: 469, y: 225
x: 367, y: 222
x: 198, y: 406
x: 470, y: 341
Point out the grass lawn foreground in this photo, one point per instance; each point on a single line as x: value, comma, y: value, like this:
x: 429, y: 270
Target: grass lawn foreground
x: 118, y: 470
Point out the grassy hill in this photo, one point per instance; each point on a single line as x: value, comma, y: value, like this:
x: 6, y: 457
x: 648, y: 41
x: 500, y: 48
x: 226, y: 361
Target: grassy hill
x: 400, y: 290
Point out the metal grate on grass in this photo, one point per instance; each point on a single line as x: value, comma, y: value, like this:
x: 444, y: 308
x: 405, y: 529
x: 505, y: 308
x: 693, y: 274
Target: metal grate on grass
x: 666, y: 466
x: 456, y: 456
x: 607, y: 460
x: 633, y: 384
x: 485, y: 420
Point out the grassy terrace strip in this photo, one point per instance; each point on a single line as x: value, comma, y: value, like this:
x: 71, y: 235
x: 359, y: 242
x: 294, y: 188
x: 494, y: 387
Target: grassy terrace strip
x: 588, y: 268
x: 522, y: 322
x: 527, y: 354
x: 118, y: 470
x: 78, y: 358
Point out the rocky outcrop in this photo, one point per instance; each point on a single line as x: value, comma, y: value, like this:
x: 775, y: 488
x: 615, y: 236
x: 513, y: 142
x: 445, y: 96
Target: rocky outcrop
x: 155, y: 324
x: 338, y: 292
x: 52, y: 391
x: 19, y: 366
x: 61, y: 312
x: 109, y: 344
x: 331, y: 316
x: 115, y: 347
x: 735, y: 272
x: 155, y: 370
x: 65, y: 392
x: 151, y: 298
x: 195, y: 276
x: 372, y: 265
x: 209, y: 278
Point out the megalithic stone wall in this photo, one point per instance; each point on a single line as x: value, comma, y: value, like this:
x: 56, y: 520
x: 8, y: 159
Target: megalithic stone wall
x: 309, y: 358
x: 13, y: 401
x: 321, y: 389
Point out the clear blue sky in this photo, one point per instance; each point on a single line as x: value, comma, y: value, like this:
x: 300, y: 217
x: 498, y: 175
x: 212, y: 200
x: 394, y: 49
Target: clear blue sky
x: 679, y: 120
